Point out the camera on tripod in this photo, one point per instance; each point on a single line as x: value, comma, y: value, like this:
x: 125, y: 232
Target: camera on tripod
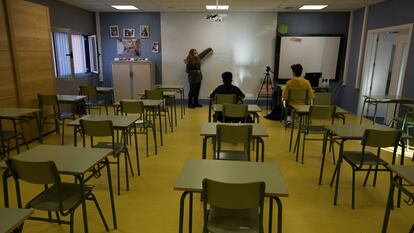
x: 268, y: 69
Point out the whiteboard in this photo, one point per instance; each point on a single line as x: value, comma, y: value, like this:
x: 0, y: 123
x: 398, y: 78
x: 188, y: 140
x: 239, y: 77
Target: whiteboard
x: 314, y: 53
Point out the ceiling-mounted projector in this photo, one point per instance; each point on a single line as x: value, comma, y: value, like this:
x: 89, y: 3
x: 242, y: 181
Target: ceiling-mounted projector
x: 214, y: 17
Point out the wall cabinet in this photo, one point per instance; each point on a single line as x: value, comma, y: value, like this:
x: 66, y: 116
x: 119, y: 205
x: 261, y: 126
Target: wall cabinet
x: 131, y: 78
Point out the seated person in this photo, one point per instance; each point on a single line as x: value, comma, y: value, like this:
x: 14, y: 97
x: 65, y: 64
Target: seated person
x: 297, y: 83
x: 228, y: 88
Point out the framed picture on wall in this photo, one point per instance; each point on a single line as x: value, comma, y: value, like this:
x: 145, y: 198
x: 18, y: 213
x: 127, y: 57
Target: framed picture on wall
x: 155, y: 47
x: 129, y: 32
x: 113, y: 31
x: 144, y: 31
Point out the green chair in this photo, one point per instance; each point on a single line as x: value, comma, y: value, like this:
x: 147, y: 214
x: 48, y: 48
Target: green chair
x: 233, y: 207
x: 7, y: 135
x: 92, y: 101
x: 322, y: 98
x: 235, y: 112
x: 221, y: 99
x: 360, y: 160
x: 59, y: 197
x: 50, y: 113
x: 235, y: 134
x: 296, y: 95
x: 324, y: 113
x: 158, y: 95
x: 105, y: 129
x: 143, y: 124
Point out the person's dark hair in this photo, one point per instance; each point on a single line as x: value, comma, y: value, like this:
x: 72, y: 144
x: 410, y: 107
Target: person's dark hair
x: 297, y: 69
x: 227, y: 77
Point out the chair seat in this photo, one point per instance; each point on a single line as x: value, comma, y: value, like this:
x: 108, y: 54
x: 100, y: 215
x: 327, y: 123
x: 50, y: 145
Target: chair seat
x: 354, y: 158
x: 232, y: 155
x: 49, y: 199
x: 229, y: 221
x: 317, y: 129
x: 143, y: 123
x: 66, y: 115
x: 117, y: 147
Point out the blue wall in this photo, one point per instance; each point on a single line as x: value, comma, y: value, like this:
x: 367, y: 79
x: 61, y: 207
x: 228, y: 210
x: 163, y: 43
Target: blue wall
x: 320, y: 23
x: 129, y: 20
x: 384, y: 14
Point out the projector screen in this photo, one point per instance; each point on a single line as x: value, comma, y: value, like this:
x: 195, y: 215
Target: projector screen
x: 315, y: 53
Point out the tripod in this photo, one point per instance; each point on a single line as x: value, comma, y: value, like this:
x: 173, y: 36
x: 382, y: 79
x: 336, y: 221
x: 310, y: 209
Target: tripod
x: 266, y: 81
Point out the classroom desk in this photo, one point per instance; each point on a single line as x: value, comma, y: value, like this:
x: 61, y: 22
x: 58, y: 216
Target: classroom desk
x: 375, y: 100
x: 12, y: 218
x: 154, y: 105
x: 69, y: 160
x: 251, y: 109
x: 405, y: 173
x: 344, y: 133
x: 209, y: 130
x: 123, y: 123
x: 178, y: 89
x: 194, y: 171
x: 169, y: 95
x: 78, y: 101
x: 15, y: 114
x: 303, y: 110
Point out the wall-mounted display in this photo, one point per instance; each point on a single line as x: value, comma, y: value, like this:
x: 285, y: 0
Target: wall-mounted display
x: 128, y: 47
x: 129, y: 32
x: 144, y: 31
x: 113, y: 31
x: 155, y: 47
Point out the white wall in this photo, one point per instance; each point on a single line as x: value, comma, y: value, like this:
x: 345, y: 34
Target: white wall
x: 243, y: 43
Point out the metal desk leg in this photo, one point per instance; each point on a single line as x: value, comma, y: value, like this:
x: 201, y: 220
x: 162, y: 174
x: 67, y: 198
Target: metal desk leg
x: 190, y: 212
x: 136, y: 148
x: 363, y: 108
x: 325, y: 141
x: 85, y: 217
x: 338, y: 171
x: 291, y: 130
x: 39, y: 127
x: 175, y: 111
x: 204, y: 150
x: 279, y: 214
x: 298, y: 136
x: 6, y: 187
x: 159, y: 116
x: 209, y: 109
x: 75, y: 140
x: 388, y: 206
x: 111, y: 192
x: 182, y: 99
x: 181, y: 219
x: 125, y: 136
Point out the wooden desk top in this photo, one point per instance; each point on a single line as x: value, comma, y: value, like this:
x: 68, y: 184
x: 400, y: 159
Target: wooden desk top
x: 118, y: 121
x: 209, y: 129
x: 17, y: 112
x: 194, y: 171
x: 11, y: 218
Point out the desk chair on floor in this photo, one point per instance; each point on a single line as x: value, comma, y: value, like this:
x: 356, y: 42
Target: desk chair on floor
x: 7, y: 135
x: 233, y: 207
x: 61, y: 198
x: 143, y: 124
x: 359, y: 160
x: 293, y: 95
x: 235, y: 113
x: 105, y: 129
x: 324, y: 113
x: 221, y: 99
x: 50, y: 110
x: 236, y: 134
x: 92, y: 101
x: 158, y: 95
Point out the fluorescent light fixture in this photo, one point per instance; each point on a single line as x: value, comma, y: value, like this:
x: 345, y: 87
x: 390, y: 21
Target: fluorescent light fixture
x: 217, y: 7
x: 124, y: 7
x: 312, y: 7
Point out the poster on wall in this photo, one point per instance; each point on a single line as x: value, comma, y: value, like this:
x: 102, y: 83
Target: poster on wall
x: 128, y: 47
x: 113, y: 30
x: 144, y: 31
x: 155, y: 47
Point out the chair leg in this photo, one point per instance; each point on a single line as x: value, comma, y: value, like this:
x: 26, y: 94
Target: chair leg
x: 154, y: 134
x: 92, y: 196
x: 130, y: 165
x: 71, y: 221
x: 375, y: 176
x: 63, y: 132
x: 303, y: 146
x: 367, y: 175
x: 146, y: 140
x: 118, y: 173
x: 58, y: 217
x: 126, y: 171
x: 353, y: 188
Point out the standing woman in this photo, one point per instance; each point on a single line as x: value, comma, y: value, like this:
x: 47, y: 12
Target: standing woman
x: 193, y: 63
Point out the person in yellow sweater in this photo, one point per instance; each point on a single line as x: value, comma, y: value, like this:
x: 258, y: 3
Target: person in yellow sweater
x: 297, y: 83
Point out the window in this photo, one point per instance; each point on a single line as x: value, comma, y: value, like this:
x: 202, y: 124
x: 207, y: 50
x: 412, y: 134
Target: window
x: 73, y: 54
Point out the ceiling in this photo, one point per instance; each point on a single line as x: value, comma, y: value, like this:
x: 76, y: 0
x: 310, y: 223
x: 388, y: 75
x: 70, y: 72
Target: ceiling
x: 235, y: 5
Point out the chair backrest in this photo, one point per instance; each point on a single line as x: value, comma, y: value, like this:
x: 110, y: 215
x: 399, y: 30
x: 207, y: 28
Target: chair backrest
x: 48, y: 102
x: 96, y: 128
x: 235, y: 110
x: 322, y: 98
x: 34, y: 172
x: 154, y: 94
x: 233, y: 196
x: 87, y: 90
x: 322, y: 112
x: 132, y: 106
x: 298, y: 95
x: 225, y: 98
x: 238, y: 134
x: 381, y: 138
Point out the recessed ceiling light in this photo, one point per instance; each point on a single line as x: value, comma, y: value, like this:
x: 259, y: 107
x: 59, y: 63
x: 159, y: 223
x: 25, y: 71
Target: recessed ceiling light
x: 217, y: 7
x: 124, y: 7
x: 312, y: 7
